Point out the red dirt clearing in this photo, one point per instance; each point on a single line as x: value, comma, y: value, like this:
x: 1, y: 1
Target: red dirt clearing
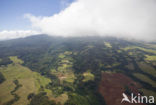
x: 113, y: 85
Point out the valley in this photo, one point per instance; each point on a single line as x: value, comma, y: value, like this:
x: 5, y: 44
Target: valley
x: 44, y: 70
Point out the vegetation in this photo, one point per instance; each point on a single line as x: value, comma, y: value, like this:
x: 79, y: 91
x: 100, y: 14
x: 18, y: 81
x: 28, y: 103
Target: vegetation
x: 41, y: 99
x: 148, y: 92
x: 150, y: 58
x: 15, y: 60
x: 5, y: 61
x: 145, y: 79
x: 140, y: 48
x: 88, y: 76
x: 30, y: 82
x: 2, y: 78
x: 43, y: 70
x: 16, y: 97
x: 147, y: 68
x: 107, y: 44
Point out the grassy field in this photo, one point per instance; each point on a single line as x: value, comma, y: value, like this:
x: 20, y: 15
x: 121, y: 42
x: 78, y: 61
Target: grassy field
x: 61, y: 99
x: 61, y: 55
x: 16, y: 60
x: 147, y: 68
x: 64, y: 71
x: 145, y: 79
x: 5, y: 89
x: 67, y: 52
x: 153, y: 46
x: 150, y: 58
x: 88, y: 76
x: 140, y: 48
x: 107, y: 44
x: 65, y: 75
x: 30, y: 81
x: 130, y: 66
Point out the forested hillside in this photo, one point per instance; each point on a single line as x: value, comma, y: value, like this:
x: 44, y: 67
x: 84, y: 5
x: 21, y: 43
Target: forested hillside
x: 44, y: 70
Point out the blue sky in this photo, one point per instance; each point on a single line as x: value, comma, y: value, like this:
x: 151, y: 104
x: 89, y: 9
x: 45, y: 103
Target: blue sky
x: 12, y: 12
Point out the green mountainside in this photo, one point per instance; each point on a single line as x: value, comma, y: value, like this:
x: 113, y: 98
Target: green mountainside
x: 44, y: 70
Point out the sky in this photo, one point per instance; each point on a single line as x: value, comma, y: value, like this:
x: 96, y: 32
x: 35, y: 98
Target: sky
x: 13, y: 23
x: 12, y: 12
x: 132, y: 19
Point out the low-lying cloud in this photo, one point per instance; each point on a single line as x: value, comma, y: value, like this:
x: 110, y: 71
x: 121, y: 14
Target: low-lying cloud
x: 5, y: 35
x: 119, y: 18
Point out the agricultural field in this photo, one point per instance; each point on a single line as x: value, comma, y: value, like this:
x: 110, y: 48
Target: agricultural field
x: 150, y: 58
x: 140, y: 48
x: 64, y: 70
x: 145, y: 79
x: 147, y: 68
x: 107, y: 44
x: 88, y: 76
x: 116, y: 84
x: 75, y: 71
x: 31, y: 82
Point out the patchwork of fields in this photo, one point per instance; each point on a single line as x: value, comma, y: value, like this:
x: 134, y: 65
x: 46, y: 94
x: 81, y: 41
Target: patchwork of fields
x: 75, y: 72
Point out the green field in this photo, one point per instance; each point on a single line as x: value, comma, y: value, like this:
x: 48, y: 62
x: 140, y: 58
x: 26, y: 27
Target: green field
x: 130, y: 66
x: 16, y: 60
x: 107, y: 44
x: 30, y: 81
x: 145, y: 79
x: 147, y: 68
x: 75, y: 71
x: 64, y: 71
x: 61, y: 99
x: 87, y: 76
x: 150, y: 58
x: 140, y: 48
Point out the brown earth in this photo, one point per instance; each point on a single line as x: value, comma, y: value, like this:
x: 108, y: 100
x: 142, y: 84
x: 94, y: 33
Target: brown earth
x: 112, y: 86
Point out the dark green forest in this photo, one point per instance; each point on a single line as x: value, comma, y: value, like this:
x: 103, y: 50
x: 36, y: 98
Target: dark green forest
x: 75, y: 67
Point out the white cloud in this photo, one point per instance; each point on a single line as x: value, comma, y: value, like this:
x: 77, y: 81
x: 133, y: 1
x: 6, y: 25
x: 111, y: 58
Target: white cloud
x: 5, y: 35
x: 120, y: 18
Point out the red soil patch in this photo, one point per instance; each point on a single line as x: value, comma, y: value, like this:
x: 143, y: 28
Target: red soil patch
x: 113, y: 85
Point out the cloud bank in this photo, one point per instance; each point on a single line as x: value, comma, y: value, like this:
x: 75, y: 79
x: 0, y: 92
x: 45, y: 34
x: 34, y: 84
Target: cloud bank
x: 5, y: 35
x: 119, y: 18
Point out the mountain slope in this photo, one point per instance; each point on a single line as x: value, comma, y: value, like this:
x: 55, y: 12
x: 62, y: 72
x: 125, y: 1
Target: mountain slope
x: 82, y: 70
